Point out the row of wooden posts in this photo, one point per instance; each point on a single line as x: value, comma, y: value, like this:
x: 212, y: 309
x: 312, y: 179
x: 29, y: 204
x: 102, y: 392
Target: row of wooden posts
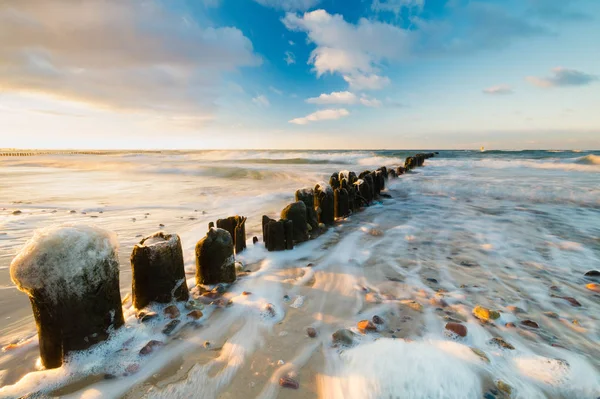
x: 75, y: 322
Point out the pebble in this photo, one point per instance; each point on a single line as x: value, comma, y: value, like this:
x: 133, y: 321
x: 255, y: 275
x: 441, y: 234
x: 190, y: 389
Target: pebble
x: 246, y: 293
x: 377, y: 320
x: 489, y: 395
x: 432, y: 280
x: 530, y: 324
x: 343, y: 336
x: 501, y: 343
x: 146, y: 317
x: 457, y: 328
x: 132, y: 369
x: 592, y: 273
x: 504, y: 387
x: 254, y: 240
x: 270, y: 310
x: 170, y: 327
x: 206, y: 344
x: 195, y: 314
x: 574, y: 302
x: 510, y: 325
x: 481, y: 354
x: 312, y: 332
x: 172, y: 312
x: 149, y: 347
x: 484, y: 314
x: 366, y: 325
x: 17, y: 212
x: 288, y: 382
x: 593, y: 287
x: 414, y: 305
x: 551, y: 315
x: 515, y: 309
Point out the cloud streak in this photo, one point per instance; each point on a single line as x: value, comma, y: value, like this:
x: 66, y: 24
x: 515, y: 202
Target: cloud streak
x: 498, y: 90
x: 289, y: 5
x: 563, y: 77
x: 344, y: 98
x: 325, y: 114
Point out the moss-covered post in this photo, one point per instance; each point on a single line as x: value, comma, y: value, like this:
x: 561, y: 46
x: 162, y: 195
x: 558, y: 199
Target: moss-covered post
x: 324, y: 203
x: 307, y: 196
x: 71, y: 274
x: 296, y: 212
x: 157, y: 269
x: 215, y: 262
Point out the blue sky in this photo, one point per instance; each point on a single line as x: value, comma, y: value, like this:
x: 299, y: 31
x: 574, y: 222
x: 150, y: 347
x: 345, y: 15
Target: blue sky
x: 300, y: 74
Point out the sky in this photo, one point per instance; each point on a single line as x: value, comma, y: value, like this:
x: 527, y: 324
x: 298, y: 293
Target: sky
x: 300, y: 74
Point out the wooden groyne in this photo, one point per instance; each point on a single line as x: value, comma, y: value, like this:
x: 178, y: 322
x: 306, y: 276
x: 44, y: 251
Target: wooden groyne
x: 71, y: 273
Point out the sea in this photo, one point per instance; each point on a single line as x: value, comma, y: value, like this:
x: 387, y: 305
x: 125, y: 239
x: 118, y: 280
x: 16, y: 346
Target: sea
x: 510, y: 231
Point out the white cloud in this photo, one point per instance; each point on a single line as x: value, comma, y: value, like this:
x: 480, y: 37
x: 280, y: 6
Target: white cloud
x: 326, y: 114
x: 355, y: 51
x: 275, y: 90
x: 562, y: 77
x: 396, y: 6
x: 366, y: 82
x: 290, y: 58
x: 345, y: 98
x: 291, y: 42
x: 498, y: 90
x: 126, y: 56
x: 289, y: 5
x: 337, y: 97
x: 261, y: 101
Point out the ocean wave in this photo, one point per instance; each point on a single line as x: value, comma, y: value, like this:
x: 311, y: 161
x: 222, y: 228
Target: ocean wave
x: 225, y: 172
x: 288, y: 161
x: 588, y: 160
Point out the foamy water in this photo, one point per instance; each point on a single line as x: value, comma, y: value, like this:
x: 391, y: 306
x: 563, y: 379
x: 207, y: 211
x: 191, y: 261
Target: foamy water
x: 497, y: 229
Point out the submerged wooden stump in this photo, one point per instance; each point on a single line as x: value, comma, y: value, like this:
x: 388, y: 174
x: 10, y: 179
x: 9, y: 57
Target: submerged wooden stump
x: 410, y: 163
x: 325, y: 204
x: 296, y: 212
x: 236, y: 226
x: 307, y: 196
x: 215, y: 262
x: 157, y: 269
x: 71, y: 274
x: 342, y: 203
x: 275, y: 237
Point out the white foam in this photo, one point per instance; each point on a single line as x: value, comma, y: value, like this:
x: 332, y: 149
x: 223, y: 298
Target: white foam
x: 60, y: 258
x: 387, y: 368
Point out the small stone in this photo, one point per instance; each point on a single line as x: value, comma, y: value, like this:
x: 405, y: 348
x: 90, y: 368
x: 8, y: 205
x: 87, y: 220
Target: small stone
x: 485, y: 314
x: 286, y: 298
x: 457, y: 328
x: 17, y: 212
x: 149, y: 347
x: 310, y: 265
x: 195, y: 314
x: 438, y: 302
x: 504, y: 387
x: 343, y: 336
x: 593, y: 287
x: 501, y: 343
x: 481, y: 354
x: 170, y: 327
x: 515, y: 309
x: 592, y: 274
x: 366, y: 325
x: 206, y: 344
x: 555, y: 288
x: 377, y: 320
x: 132, y: 369
x: 72, y: 211
x: 145, y: 317
x: 172, y: 312
x: 432, y: 280
x: 161, y: 225
x: 246, y: 293
x: 510, y: 325
x: 312, y: 332
x: 254, y: 240
x: 414, y: 305
x: 574, y: 302
x: 551, y: 315
x: 489, y: 395
x: 288, y: 382
x: 530, y: 324
x: 376, y: 232
x: 280, y: 363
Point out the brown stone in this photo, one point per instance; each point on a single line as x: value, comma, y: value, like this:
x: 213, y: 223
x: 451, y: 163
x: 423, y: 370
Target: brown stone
x: 457, y: 328
x: 366, y: 325
x: 172, y: 312
x: 288, y: 382
x: 312, y: 332
x: 195, y: 314
x: 501, y: 343
x: 593, y: 287
x: 149, y: 347
x: 530, y: 324
x: 377, y: 320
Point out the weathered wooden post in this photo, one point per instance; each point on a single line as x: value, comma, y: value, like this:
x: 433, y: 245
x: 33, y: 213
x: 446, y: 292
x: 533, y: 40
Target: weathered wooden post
x: 71, y: 274
x: 157, y: 269
x: 275, y: 239
x: 215, y: 262
x: 324, y: 203
x: 342, y: 203
x: 236, y: 226
x: 296, y: 212
x: 307, y: 196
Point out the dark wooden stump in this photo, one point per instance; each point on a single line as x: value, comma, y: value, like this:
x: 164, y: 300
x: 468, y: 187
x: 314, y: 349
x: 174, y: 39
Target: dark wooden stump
x: 325, y: 204
x: 307, y: 196
x: 215, y: 262
x: 157, y: 268
x: 236, y: 226
x: 342, y: 203
x: 296, y: 212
